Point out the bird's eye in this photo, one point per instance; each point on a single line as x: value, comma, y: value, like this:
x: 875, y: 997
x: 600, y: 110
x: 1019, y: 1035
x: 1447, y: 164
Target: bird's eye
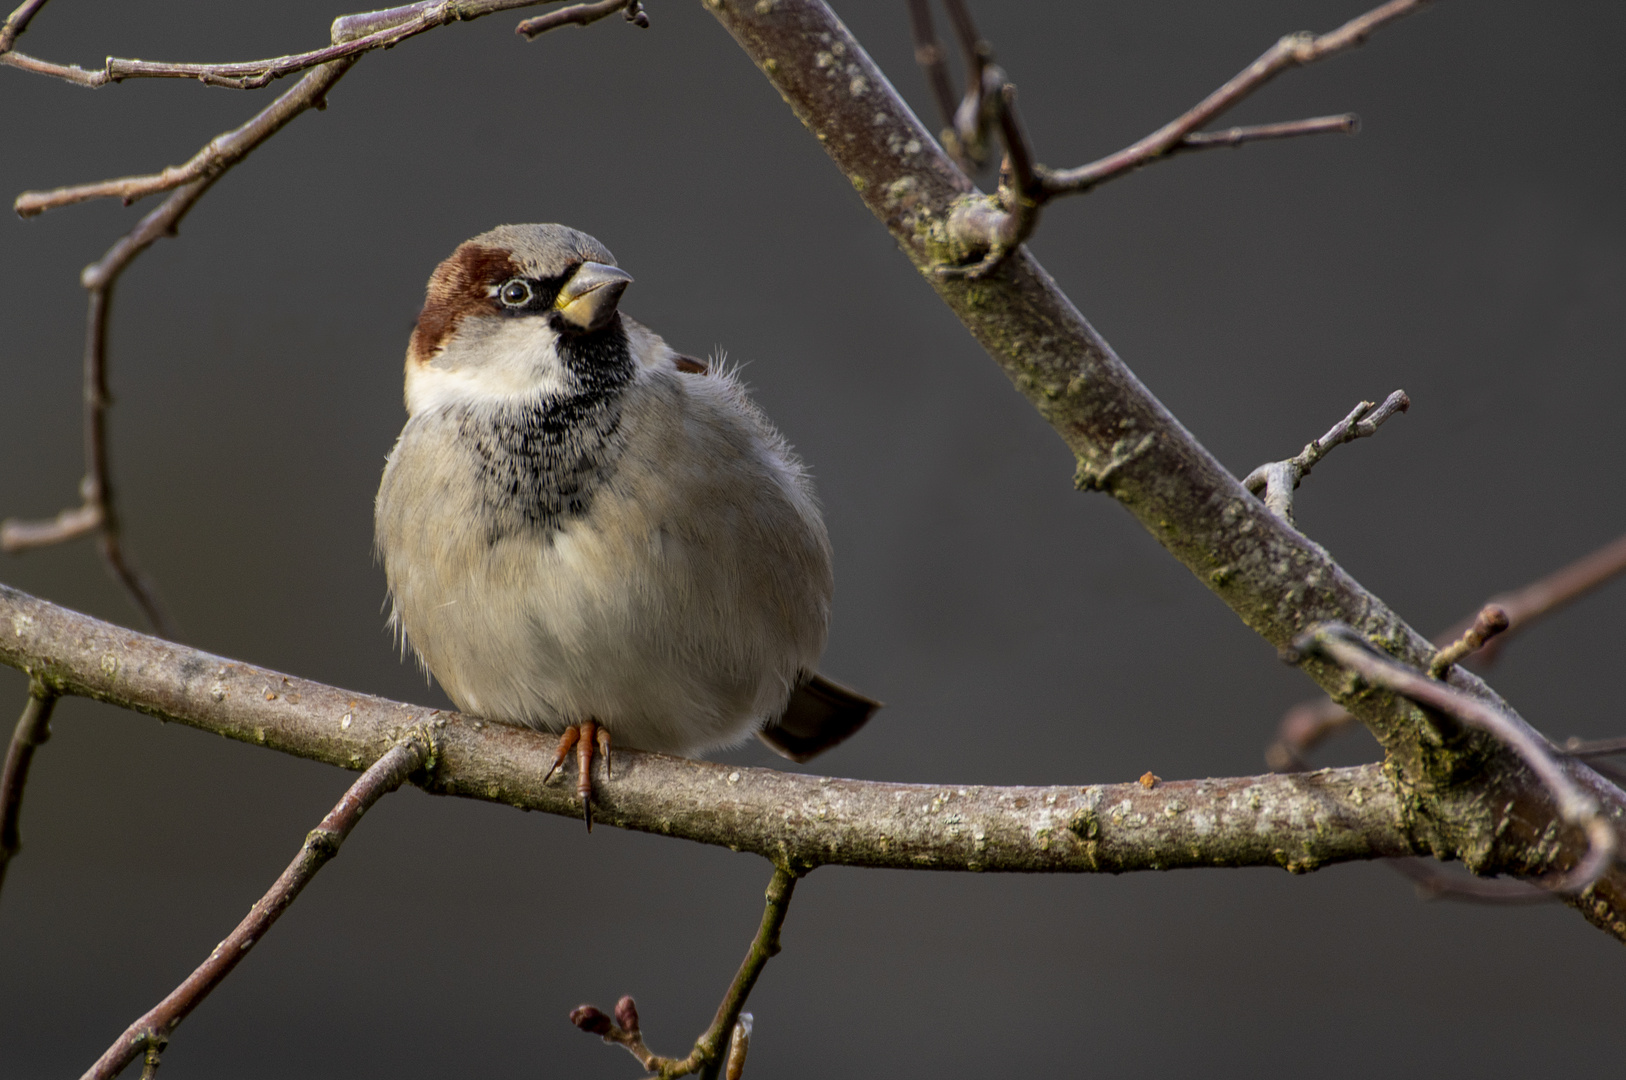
x: 515, y: 292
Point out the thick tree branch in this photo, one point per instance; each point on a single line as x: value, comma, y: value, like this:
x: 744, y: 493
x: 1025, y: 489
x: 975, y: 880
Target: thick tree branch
x: 1127, y: 444
x: 150, y: 1034
x: 1299, y: 822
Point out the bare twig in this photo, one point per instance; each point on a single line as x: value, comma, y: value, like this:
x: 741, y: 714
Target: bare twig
x: 1342, y: 645
x: 99, y: 510
x: 152, y: 1031
x: 1527, y: 606
x: 17, y: 22
x: 1435, y: 882
x: 1578, y: 748
x: 1304, y: 727
x: 1294, y: 50
x: 711, y: 1054
x: 1342, y: 124
x: 581, y: 15
x: 1309, y: 723
x: 1277, y: 480
x: 933, y: 64
x: 975, y: 114
x: 32, y: 730
x: 1490, y: 621
x: 352, y: 35
x: 984, y: 238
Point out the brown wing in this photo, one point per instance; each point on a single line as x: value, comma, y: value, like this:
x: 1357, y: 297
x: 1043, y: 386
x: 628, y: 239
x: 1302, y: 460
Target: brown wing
x: 820, y: 714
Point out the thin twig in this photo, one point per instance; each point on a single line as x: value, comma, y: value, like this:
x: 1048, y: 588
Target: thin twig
x: 352, y: 35
x: 1490, y: 621
x: 724, y: 1044
x: 217, y: 156
x: 153, y: 1030
x: 1342, y: 124
x: 1527, y: 606
x: 99, y: 510
x: 1294, y: 50
x: 1343, y: 646
x: 1277, y: 480
x: 581, y: 15
x: 1578, y: 748
x: 975, y: 114
x: 986, y: 236
x: 1435, y: 882
x: 17, y: 22
x: 1304, y: 727
x: 1309, y: 723
x: 934, y: 65
x: 32, y: 730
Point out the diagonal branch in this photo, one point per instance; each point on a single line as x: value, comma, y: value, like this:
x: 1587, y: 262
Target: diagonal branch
x: 1127, y: 444
x: 150, y: 1034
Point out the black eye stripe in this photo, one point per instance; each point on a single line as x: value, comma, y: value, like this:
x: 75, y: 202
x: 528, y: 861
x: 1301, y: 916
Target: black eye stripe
x: 525, y: 295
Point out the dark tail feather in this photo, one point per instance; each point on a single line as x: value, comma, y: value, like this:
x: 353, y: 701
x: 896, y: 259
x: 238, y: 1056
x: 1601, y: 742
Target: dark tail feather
x: 820, y: 714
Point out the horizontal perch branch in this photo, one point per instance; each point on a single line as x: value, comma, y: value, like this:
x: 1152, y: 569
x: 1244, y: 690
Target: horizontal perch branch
x: 1300, y: 821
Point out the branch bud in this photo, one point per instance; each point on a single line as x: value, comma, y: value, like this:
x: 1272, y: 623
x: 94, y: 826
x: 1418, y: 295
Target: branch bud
x: 591, y: 1020
x: 626, y: 1014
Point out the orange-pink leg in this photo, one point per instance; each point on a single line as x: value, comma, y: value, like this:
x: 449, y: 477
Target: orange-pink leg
x: 582, y: 738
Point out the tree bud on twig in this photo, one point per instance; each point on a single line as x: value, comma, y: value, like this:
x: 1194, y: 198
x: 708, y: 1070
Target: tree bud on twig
x: 591, y: 1020
x: 626, y: 1014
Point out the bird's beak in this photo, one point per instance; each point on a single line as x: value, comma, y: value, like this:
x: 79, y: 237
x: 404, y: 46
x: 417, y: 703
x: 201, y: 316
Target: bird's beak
x: 589, y: 298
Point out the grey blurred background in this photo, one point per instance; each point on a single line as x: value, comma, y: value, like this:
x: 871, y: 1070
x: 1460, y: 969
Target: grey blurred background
x: 1469, y: 246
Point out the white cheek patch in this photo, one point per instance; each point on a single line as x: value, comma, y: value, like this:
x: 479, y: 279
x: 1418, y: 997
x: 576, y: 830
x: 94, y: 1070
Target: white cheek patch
x: 488, y: 362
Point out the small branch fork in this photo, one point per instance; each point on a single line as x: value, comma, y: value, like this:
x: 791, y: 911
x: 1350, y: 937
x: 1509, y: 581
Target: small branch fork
x: 1275, y: 482
x: 32, y: 730
x: 352, y: 36
x: 1343, y: 646
x: 985, y: 231
x: 1308, y: 724
x: 151, y: 1033
x: 710, y: 1058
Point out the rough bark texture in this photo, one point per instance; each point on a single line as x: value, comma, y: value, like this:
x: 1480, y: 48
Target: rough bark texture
x: 1472, y: 799
x: 1299, y: 821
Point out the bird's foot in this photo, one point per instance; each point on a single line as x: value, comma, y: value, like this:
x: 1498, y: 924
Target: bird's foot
x: 583, y: 738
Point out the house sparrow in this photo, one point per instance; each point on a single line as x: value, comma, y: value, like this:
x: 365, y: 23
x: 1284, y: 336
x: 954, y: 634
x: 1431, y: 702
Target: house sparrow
x: 585, y: 532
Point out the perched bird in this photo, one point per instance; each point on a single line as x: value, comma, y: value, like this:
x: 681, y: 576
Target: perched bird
x: 585, y: 532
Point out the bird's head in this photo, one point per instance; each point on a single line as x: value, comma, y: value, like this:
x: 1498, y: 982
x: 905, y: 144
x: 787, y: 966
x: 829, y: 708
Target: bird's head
x: 514, y: 312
